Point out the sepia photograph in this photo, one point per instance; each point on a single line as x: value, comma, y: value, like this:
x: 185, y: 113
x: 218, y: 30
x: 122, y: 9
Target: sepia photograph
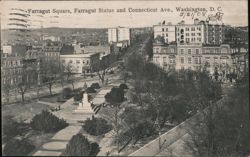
x: 125, y: 78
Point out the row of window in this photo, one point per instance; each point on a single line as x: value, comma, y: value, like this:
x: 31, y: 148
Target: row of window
x: 77, y: 61
x: 12, y: 81
x: 190, y: 29
x: 158, y: 50
x: 12, y: 72
x: 52, y: 54
x: 12, y: 63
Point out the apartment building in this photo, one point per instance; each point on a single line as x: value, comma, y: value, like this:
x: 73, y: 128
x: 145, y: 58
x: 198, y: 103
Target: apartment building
x: 166, y: 31
x: 164, y: 55
x: 119, y: 34
x: 81, y: 63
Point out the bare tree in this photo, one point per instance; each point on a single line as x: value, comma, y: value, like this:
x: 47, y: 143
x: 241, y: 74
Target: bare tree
x: 68, y: 70
x: 51, y: 72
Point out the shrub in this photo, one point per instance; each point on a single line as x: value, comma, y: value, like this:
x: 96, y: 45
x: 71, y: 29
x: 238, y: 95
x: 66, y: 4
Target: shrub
x: 95, y: 85
x: 79, y: 145
x: 123, y: 86
x: 78, y: 96
x: 90, y: 90
x: 16, y: 147
x: 47, y: 122
x: 10, y: 127
x: 67, y: 93
x: 96, y: 126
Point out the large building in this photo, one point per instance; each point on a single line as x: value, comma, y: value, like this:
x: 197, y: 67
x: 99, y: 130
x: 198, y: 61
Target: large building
x: 119, y: 34
x: 81, y: 63
x: 11, y: 70
x: 196, y: 46
x: 166, y: 31
x: 190, y: 33
x: 200, y: 32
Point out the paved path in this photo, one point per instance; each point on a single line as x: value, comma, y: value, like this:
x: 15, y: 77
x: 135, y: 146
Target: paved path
x: 58, y: 142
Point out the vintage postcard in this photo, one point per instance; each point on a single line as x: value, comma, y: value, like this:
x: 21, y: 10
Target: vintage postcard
x: 125, y: 78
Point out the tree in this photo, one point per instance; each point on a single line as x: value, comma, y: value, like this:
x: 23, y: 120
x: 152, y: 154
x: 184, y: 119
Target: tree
x: 222, y: 132
x: 16, y: 147
x: 69, y: 71
x: 22, y: 88
x: 26, y: 82
x: 115, y: 97
x: 159, y: 39
x: 67, y: 92
x: 6, y: 90
x: 11, y: 128
x: 102, y: 70
x: 95, y: 85
x: 47, y: 122
x: 123, y: 86
x: 79, y: 145
x: 96, y: 126
x: 51, y: 72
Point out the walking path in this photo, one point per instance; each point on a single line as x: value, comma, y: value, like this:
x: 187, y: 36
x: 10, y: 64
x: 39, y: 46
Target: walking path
x: 59, y: 141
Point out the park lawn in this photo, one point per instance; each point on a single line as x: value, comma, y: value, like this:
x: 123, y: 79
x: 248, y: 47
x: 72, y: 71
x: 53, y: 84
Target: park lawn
x: 24, y: 112
x: 51, y: 98
x: 38, y: 139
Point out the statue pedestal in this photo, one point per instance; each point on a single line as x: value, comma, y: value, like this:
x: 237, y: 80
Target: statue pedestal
x: 85, y: 106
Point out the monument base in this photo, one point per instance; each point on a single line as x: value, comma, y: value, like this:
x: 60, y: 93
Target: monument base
x: 86, y: 109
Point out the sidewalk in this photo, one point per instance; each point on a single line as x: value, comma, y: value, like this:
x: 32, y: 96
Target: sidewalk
x: 58, y: 142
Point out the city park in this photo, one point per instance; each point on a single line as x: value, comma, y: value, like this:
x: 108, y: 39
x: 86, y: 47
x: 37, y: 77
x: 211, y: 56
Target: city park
x: 137, y: 103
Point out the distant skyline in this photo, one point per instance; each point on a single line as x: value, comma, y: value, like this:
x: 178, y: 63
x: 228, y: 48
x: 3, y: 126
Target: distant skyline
x: 235, y: 13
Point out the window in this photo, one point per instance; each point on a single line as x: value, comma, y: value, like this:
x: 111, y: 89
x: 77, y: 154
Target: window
x: 77, y: 61
x: 172, y: 50
x: 166, y: 34
x: 171, y: 60
x: 162, y: 29
x: 187, y: 34
x: 63, y: 61
x: 157, y: 50
x: 182, y: 51
x: 166, y: 29
x: 193, y: 29
x: 197, y: 51
x: 189, y: 51
x: 187, y: 40
x: 187, y: 29
x: 189, y: 60
x: 182, y: 60
x: 70, y: 61
x: 164, y: 59
x: 196, y: 61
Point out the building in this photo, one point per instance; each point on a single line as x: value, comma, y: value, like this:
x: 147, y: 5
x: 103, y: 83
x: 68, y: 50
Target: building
x: 200, y: 32
x: 119, y: 34
x: 166, y: 31
x: 51, y: 38
x: 189, y: 57
x: 217, y: 58
x: 165, y: 55
x: 11, y: 70
x: 51, y: 51
x: 190, y: 33
x: 81, y: 63
x: 104, y: 50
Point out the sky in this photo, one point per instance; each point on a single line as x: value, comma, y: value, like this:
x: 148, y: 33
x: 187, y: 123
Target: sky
x: 235, y: 13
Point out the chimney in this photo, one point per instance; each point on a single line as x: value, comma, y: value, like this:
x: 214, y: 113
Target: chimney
x: 196, y: 21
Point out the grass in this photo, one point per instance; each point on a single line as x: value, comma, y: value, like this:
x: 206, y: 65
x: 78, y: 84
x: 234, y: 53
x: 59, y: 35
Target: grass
x: 51, y: 98
x: 23, y: 111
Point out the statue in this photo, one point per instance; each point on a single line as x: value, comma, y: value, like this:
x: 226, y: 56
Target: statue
x: 85, y: 105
